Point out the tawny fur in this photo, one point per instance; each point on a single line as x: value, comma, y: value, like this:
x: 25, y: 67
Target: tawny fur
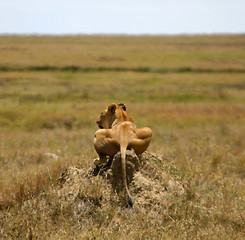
x: 119, y: 133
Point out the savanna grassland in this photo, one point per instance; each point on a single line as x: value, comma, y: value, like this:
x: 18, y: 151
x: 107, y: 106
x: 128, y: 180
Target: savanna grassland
x: 190, y: 90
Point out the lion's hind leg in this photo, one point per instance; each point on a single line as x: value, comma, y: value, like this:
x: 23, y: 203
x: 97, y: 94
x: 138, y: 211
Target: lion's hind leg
x: 105, y: 146
x: 141, y: 143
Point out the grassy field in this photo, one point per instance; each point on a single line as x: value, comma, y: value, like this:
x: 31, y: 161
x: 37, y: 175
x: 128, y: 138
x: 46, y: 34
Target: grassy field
x: 189, y: 89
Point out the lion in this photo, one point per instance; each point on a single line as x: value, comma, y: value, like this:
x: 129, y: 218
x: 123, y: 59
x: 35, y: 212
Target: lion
x: 118, y: 133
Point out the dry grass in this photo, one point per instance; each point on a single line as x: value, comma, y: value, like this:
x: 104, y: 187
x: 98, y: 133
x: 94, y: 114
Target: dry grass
x: 197, y: 121
x: 204, y: 52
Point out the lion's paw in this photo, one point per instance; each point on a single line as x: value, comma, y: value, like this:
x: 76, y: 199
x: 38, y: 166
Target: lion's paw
x: 96, y: 161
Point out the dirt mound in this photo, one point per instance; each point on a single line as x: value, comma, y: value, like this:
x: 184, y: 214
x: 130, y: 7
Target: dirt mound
x: 150, y: 182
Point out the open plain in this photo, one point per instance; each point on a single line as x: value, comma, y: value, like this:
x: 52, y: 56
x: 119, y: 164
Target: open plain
x: 190, y: 90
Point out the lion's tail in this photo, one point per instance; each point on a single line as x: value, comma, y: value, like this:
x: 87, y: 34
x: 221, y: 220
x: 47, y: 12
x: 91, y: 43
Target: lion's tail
x: 123, y: 149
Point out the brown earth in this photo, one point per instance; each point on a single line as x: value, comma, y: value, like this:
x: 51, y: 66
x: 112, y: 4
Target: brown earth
x: 148, y: 183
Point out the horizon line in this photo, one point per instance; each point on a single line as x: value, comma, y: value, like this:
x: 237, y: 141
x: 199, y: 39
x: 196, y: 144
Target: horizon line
x: 120, y: 34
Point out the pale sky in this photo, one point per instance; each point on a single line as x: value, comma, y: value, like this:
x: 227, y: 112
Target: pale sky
x: 122, y: 16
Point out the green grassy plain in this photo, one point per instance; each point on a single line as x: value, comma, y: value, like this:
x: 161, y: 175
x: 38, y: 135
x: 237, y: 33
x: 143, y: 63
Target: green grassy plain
x: 189, y: 89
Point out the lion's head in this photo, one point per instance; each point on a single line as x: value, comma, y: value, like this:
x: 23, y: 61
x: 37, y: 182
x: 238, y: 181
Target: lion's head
x: 112, y: 112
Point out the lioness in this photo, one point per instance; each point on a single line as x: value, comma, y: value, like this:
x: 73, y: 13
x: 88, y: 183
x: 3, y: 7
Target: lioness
x: 118, y: 133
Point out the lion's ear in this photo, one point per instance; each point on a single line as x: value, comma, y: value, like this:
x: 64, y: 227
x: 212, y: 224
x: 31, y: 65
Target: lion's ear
x: 112, y: 107
x: 123, y: 106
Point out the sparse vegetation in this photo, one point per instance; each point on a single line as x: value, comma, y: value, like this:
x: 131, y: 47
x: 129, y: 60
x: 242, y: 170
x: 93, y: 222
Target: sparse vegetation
x: 52, y: 90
